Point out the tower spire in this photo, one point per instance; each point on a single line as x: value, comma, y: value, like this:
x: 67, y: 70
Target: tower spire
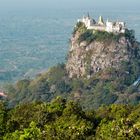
x: 88, y: 15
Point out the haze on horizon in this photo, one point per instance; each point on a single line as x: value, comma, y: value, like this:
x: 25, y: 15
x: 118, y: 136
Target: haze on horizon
x: 8, y: 5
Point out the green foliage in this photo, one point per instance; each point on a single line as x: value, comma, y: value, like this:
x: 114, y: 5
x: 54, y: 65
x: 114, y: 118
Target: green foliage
x: 130, y: 34
x: 91, y: 35
x: 63, y: 120
x: 116, y: 124
x: 87, y: 36
x: 80, y: 27
x: 31, y: 133
x: 120, y: 129
x: 3, y: 117
x: 43, y: 88
x: 71, y: 125
x: 56, y: 120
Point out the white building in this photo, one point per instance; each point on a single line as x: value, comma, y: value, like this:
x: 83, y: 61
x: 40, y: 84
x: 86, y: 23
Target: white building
x: 87, y: 21
x: 112, y: 27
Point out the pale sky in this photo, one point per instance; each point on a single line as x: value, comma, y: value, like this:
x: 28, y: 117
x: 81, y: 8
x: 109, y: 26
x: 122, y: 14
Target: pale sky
x: 59, y: 4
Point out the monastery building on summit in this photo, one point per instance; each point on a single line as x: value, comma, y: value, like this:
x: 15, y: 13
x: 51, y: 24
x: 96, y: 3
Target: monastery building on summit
x: 112, y: 27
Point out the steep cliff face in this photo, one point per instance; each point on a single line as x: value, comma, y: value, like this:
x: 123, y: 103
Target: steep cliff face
x: 90, y: 53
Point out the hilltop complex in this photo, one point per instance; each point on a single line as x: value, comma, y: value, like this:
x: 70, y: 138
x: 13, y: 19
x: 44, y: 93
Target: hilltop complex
x: 112, y: 27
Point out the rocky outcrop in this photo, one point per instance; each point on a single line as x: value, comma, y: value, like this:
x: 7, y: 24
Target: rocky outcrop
x: 85, y: 59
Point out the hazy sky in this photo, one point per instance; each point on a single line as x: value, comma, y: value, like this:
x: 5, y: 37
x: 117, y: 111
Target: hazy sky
x: 55, y: 4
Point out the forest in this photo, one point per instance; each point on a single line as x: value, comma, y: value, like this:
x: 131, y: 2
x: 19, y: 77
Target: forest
x: 62, y: 120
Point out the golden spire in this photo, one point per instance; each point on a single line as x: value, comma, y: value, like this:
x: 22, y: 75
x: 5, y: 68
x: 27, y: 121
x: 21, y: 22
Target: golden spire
x: 101, y: 21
